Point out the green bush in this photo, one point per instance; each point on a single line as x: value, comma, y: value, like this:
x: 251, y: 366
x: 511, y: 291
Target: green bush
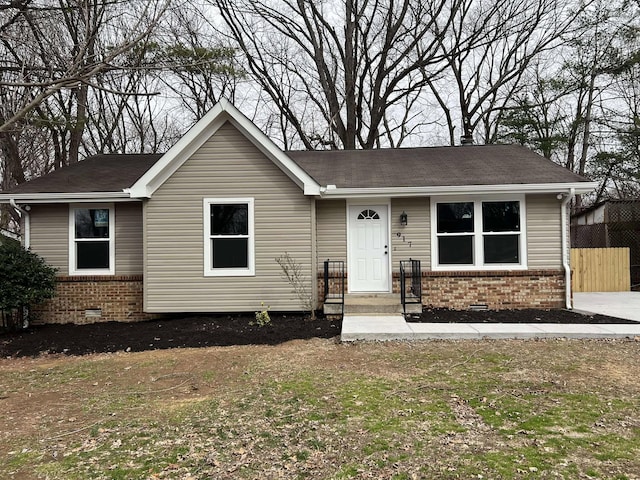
x: 262, y: 317
x: 25, y: 278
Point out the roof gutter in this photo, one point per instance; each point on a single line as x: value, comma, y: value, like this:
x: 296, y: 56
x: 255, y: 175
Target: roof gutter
x: 90, y: 197
x: 564, y: 218
x: 24, y: 214
x: 577, y: 187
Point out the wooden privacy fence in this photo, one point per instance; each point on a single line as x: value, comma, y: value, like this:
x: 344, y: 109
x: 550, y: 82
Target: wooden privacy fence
x: 600, y: 269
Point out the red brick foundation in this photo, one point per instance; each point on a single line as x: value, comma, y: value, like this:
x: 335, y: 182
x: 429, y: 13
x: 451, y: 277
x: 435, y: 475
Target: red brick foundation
x: 498, y: 290
x: 118, y: 298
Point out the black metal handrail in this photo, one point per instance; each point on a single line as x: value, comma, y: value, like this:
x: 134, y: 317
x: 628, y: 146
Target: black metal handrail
x: 410, y: 292
x: 334, y: 282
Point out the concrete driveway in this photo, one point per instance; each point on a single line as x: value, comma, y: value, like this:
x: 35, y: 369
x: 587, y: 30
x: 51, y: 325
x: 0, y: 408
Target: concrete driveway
x: 615, y: 304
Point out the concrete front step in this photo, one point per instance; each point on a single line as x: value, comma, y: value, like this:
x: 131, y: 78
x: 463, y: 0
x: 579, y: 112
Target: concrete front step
x: 374, y: 304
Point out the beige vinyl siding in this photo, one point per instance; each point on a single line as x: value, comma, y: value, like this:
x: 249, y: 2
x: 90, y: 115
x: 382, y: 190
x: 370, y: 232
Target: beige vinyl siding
x: 227, y: 166
x: 128, y: 242
x: 50, y: 234
x: 544, y: 241
x: 331, y: 230
x: 414, y: 240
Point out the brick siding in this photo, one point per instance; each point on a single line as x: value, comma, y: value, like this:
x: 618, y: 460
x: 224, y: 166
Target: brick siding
x: 499, y: 290
x: 118, y: 297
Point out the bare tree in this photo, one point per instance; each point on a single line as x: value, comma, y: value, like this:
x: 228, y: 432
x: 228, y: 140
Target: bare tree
x: 133, y: 123
x: 488, y: 48
x: 617, y: 163
x: 192, y: 62
x: 51, y: 52
x: 335, y: 69
x: 575, y: 112
x: 67, y: 43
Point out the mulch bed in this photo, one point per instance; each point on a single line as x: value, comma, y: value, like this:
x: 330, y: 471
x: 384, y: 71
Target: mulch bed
x: 227, y: 330
x: 443, y: 315
x: 183, y: 332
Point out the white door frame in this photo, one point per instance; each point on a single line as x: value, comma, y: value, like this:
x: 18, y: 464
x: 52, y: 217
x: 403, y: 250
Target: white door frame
x: 386, y: 202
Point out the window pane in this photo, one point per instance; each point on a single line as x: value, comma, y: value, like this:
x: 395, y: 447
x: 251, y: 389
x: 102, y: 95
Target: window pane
x: 501, y: 216
x: 230, y: 252
x: 92, y: 222
x: 368, y: 215
x: 501, y: 249
x: 455, y: 217
x: 230, y: 219
x: 455, y: 250
x: 92, y: 255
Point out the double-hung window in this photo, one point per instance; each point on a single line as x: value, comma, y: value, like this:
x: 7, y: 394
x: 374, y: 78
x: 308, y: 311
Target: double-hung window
x: 478, y: 234
x: 501, y: 232
x: 91, y: 240
x: 228, y: 237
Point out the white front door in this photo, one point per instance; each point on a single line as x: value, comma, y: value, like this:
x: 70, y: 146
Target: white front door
x: 368, y: 248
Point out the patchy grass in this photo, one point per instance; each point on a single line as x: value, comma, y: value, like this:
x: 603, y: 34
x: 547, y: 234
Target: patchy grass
x: 314, y: 409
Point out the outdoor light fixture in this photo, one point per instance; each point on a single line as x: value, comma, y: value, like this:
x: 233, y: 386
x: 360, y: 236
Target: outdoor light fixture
x: 403, y: 218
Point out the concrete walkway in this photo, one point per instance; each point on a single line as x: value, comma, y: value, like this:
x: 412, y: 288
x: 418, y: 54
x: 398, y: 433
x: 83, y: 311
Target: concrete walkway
x: 394, y: 327
x: 615, y: 304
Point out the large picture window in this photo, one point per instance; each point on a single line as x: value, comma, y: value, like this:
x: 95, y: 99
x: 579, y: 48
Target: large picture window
x: 228, y: 225
x: 478, y: 234
x: 91, y: 240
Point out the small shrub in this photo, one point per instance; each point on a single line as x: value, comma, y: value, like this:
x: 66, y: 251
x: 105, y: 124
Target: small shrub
x: 301, y: 286
x: 262, y: 316
x: 25, y: 278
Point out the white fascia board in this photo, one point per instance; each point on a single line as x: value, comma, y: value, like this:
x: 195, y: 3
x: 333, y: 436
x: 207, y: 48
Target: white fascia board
x: 91, y: 197
x: 203, y: 130
x: 579, y: 187
x: 313, y: 190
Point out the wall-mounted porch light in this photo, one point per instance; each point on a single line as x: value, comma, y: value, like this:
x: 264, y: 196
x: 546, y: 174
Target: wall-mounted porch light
x: 403, y: 218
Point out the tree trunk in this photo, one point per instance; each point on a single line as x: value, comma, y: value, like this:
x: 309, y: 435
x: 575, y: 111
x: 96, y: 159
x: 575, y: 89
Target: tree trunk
x: 77, y: 129
x: 14, y: 171
x: 350, y: 75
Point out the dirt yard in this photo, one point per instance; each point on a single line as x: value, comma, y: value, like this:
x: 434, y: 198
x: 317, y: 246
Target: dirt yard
x: 314, y: 408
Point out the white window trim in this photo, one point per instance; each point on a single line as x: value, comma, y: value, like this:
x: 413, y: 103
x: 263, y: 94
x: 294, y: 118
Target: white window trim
x: 478, y: 247
x: 73, y: 270
x: 209, y: 271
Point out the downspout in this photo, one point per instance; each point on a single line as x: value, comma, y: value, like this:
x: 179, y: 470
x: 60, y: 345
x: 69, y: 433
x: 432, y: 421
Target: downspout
x: 24, y: 214
x: 314, y: 256
x: 565, y: 247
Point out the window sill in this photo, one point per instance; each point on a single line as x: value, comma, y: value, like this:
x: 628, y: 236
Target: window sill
x: 99, y: 272
x: 474, y: 268
x: 230, y: 273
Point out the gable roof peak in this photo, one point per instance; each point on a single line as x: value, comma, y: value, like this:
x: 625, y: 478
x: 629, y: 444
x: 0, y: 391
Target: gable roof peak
x: 222, y: 112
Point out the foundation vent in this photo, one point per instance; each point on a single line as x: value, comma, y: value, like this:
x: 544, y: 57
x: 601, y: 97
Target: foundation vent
x: 478, y: 307
x: 93, y: 313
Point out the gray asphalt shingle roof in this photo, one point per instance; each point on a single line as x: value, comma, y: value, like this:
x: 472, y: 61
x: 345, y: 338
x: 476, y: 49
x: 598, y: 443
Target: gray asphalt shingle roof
x: 100, y: 173
x: 404, y: 167
x: 432, y: 166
